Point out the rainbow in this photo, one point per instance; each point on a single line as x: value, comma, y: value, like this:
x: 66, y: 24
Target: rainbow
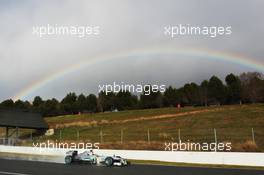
x: 200, y: 53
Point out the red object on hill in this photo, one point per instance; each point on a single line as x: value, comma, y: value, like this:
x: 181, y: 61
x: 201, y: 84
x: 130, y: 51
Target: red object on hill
x: 179, y: 106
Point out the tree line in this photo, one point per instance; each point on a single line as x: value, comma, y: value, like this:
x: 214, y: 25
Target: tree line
x: 245, y: 88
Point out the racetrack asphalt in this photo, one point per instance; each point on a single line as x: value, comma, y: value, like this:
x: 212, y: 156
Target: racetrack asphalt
x: 21, y: 167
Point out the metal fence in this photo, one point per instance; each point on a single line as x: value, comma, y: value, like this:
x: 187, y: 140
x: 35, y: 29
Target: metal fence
x: 8, y: 141
x: 149, y: 136
x: 122, y: 135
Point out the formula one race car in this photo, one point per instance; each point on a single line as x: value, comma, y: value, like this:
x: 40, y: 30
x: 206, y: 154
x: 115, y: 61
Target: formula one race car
x: 94, y: 159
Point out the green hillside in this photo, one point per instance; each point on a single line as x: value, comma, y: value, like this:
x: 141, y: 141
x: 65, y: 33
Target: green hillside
x: 149, y: 129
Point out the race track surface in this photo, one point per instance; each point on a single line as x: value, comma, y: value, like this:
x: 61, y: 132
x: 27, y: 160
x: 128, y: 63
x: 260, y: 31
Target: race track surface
x: 20, y: 167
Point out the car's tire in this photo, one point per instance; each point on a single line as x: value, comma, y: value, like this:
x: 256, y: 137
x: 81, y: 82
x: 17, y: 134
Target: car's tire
x: 94, y: 162
x: 68, y: 160
x: 109, y: 161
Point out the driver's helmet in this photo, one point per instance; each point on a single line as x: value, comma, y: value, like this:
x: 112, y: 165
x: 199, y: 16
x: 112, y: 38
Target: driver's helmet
x: 86, y: 153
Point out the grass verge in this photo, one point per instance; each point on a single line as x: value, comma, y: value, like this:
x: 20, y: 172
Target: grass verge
x: 148, y: 162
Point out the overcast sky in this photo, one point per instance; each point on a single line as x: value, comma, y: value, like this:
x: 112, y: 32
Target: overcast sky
x: 125, y: 26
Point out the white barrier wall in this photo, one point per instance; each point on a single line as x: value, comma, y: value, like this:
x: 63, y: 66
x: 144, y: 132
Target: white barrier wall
x: 220, y: 158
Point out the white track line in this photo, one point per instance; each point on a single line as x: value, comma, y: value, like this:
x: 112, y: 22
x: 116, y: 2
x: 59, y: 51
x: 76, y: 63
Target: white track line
x: 11, y: 173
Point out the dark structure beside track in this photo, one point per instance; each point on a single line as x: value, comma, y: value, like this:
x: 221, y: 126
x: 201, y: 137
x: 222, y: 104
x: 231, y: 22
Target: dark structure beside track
x: 18, y: 119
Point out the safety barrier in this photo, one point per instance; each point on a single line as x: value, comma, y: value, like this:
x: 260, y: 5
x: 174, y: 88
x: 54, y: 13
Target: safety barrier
x: 218, y: 158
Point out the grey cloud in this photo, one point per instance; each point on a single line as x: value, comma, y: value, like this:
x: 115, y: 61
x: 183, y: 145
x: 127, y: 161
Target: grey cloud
x: 125, y: 25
